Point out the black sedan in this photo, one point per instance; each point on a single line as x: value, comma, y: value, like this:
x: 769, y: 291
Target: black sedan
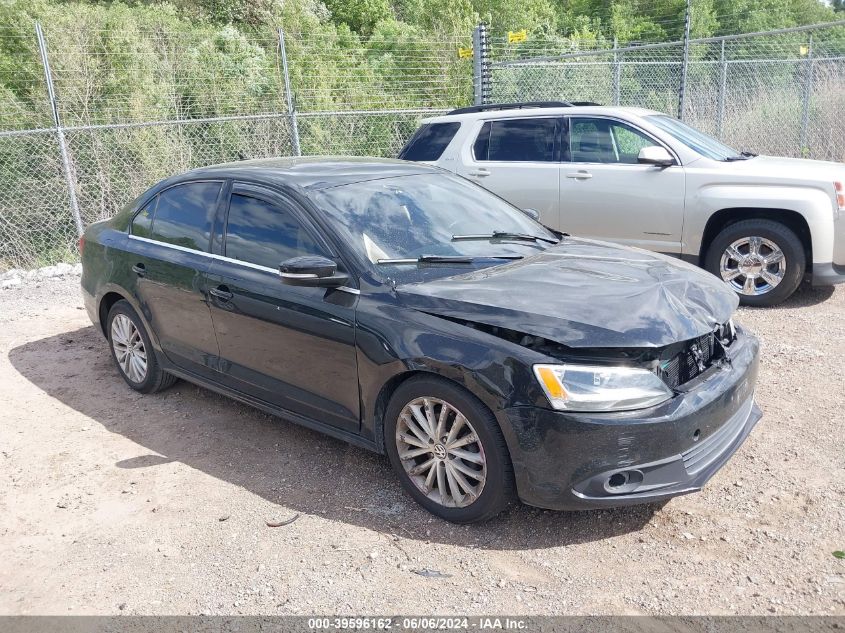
x: 412, y: 313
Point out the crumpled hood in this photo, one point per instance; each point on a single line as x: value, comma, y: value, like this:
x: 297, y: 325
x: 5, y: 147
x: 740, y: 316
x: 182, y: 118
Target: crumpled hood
x: 584, y: 293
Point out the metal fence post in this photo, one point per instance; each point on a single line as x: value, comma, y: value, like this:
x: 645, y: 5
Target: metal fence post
x: 294, y: 126
x: 808, y: 91
x: 723, y: 85
x: 480, y: 65
x: 60, y: 134
x: 682, y: 89
x: 617, y: 72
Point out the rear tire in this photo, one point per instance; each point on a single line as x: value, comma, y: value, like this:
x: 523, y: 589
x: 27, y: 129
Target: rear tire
x: 133, y: 352
x: 437, y: 434
x: 763, y: 261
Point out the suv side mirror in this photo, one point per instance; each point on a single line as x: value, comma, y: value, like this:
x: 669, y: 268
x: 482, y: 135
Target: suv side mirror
x: 532, y: 213
x: 655, y: 155
x: 311, y: 270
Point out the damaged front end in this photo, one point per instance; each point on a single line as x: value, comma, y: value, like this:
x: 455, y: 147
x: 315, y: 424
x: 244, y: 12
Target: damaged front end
x: 676, y: 364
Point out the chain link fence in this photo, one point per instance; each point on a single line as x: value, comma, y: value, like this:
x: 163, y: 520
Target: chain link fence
x: 781, y: 92
x: 130, y: 108
x: 89, y: 118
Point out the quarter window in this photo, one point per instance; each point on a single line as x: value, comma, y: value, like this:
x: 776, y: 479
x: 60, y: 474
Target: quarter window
x: 430, y: 141
x: 183, y: 215
x: 517, y: 140
x: 605, y: 141
x: 143, y: 221
x: 265, y: 233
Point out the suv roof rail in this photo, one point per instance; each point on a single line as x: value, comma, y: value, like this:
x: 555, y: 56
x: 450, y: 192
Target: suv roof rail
x: 518, y: 106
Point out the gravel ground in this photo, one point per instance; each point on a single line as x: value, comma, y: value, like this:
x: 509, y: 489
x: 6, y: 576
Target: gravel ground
x: 114, y: 502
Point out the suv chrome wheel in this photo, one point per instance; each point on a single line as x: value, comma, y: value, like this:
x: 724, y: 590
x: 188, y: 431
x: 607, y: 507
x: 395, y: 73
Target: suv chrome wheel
x: 129, y: 349
x: 440, y: 452
x: 753, y: 265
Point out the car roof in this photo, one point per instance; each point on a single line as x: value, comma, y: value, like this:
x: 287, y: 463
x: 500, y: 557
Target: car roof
x: 529, y: 112
x: 310, y: 172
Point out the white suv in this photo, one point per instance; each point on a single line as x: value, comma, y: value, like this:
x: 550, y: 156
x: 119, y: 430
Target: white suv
x: 642, y: 178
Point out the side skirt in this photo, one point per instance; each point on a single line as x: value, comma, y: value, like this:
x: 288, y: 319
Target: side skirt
x: 289, y: 416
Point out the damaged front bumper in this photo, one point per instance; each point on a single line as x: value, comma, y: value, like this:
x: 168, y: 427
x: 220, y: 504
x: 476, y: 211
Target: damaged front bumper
x: 570, y: 461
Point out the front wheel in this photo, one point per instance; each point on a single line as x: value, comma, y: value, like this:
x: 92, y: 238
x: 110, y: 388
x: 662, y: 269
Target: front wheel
x: 448, y: 450
x: 761, y: 260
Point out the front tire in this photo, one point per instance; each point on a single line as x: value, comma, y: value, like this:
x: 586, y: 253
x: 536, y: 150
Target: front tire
x: 448, y: 450
x: 133, y: 352
x: 761, y: 260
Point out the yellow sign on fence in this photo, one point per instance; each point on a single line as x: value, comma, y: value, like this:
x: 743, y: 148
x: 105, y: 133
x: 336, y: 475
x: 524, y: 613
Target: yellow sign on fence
x: 515, y: 37
x: 464, y: 53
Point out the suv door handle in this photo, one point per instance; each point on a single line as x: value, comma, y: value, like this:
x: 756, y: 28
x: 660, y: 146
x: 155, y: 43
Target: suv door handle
x: 579, y: 175
x: 139, y: 269
x: 221, y: 292
x: 480, y: 173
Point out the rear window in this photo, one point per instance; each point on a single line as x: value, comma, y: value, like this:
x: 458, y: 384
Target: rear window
x: 430, y: 141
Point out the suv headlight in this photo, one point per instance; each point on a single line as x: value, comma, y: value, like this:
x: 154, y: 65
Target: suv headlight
x: 599, y: 388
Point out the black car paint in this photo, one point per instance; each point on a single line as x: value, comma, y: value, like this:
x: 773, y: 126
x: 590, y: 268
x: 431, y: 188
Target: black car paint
x: 385, y: 333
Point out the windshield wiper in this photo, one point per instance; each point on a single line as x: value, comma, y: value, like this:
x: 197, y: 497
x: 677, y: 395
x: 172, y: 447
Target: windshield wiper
x: 443, y: 259
x: 741, y: 156
x: 505, y: 235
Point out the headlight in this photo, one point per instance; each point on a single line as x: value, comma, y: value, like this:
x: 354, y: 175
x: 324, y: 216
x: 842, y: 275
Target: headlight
x: 598, y: 388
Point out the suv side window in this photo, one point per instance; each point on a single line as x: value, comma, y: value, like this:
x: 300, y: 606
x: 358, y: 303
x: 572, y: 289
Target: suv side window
x: 596, y: 140
x: 183, y: 215
x: 517, y: 140
x: 430, y: 141
x: 265, y: 233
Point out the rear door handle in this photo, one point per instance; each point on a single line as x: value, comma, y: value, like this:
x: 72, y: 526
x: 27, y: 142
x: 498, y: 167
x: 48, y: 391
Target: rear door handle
x: 221, y: 292
x: 480, y: 173
x: 139, y: 269
x: 579, y: 175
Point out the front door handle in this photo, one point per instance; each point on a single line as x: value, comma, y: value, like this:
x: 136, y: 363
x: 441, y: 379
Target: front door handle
x: 139, y: 269
x: 480, y: 173
x: 579, y: 175
x: 221, y: 292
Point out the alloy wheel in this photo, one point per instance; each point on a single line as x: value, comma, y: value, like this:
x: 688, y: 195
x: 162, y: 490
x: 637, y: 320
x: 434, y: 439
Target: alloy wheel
x: 441, y: 452
x: 753, y: 265
x: 129, y: 349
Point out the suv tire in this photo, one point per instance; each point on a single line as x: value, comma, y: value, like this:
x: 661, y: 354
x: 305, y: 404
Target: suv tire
x: 750, y: 254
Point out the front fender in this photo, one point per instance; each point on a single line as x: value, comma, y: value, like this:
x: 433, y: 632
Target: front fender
x: 394, y: 342
x: 812, y: 203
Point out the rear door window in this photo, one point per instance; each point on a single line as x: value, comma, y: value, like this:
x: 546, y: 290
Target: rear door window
x: 518, y: 140
x: 266, y: 233
x: 430, y: 141
x: 183, y: 215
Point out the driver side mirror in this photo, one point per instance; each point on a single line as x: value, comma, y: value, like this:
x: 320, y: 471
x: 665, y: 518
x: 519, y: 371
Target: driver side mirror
x: 655, y: 155
x: 532, y: 213
x: 311, y: 270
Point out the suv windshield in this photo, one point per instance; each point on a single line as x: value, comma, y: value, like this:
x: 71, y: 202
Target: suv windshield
x: 695, y: 140
x: 429, y: 216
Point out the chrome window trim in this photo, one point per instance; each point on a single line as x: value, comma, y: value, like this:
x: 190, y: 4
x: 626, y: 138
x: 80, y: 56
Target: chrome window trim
x: 223, y: 258
x: 168, y: 245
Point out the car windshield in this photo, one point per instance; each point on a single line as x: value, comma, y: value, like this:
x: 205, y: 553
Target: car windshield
x: 393, y: 222
x: 695, y: 140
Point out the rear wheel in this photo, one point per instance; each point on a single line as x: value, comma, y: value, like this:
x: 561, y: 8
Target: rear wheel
x: 761, y: 260
x: 132, y: 351
x: 448, y: 451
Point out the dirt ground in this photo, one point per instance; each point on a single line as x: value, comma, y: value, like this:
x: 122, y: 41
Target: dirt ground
x: 114, y: 502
